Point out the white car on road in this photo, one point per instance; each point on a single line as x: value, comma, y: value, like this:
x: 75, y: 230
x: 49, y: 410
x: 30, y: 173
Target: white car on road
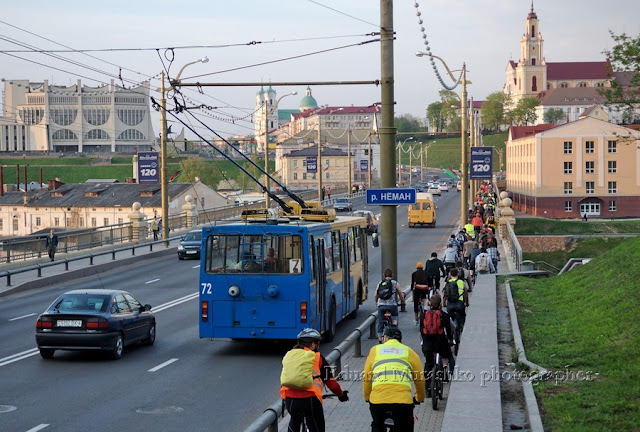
x: 443, y: 186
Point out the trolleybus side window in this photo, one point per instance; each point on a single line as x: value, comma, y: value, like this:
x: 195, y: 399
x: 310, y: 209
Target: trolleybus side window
x: 337, y: 262
x: 328, y: 253
x: 313, y: 257
x: 222, y: 253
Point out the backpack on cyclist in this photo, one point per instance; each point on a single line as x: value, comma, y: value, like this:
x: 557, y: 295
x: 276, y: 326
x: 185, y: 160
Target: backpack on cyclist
x: 297, y: 369
x: 483, y: 264
x: 432, y: 323
x: 385, y: 289
x: 451, y: 291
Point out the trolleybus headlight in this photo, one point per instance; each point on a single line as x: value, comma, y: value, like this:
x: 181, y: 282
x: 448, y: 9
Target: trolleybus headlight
x: 273, y: 291
x: 234, y: 291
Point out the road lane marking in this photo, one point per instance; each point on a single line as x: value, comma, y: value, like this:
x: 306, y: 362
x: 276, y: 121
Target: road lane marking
x: 175, y: 302
x: 34, y: 351
x: 152, y: 281
x: 23, y: 316
x: 196, y: 266
x: 19, y: 356
x: 161, y: 365
x: 39, y: 427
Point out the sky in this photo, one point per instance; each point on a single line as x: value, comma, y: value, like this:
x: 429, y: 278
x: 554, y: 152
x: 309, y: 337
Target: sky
x: 295, y: 41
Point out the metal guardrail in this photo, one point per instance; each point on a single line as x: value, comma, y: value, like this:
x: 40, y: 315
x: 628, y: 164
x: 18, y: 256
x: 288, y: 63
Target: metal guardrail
x: 268, y: 421
x: 511, y: 244
x: 38, y: 268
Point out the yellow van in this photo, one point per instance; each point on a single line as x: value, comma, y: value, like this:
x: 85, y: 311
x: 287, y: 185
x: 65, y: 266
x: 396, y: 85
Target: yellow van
x: 423, y: 211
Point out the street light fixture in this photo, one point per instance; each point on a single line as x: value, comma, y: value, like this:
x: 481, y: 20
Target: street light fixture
x: 400, y: 146
x: 164, y: 184
x: 268, y: 111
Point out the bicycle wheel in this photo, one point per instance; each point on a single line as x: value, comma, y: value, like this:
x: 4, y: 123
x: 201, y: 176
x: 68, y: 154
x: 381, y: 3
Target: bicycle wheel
x: 434, y: 387
x: 456, y: 338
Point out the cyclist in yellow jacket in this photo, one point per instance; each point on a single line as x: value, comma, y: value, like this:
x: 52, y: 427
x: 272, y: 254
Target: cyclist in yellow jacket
x: 389, y: 373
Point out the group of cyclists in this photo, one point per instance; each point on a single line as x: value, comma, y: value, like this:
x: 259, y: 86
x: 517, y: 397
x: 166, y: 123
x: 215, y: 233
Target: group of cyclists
x: 392, y: 369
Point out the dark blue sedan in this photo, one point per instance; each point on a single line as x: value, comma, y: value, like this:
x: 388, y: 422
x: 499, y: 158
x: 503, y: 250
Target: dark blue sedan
x: 100, y: 319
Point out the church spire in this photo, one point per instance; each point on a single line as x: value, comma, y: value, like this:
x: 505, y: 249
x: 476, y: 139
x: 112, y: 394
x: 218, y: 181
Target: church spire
x: 532, y: 14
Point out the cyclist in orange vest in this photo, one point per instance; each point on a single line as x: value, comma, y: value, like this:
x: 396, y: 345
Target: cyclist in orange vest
x: 307, y: 403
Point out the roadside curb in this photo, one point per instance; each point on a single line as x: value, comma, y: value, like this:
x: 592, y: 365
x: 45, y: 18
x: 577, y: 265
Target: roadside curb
x: 533, y: 411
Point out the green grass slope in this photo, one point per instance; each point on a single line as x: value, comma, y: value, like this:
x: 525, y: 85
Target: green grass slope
x: 542, y: 226
x: 586, y: 321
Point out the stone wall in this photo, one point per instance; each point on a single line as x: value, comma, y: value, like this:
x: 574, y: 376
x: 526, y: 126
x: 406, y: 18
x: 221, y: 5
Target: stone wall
x: 543, y: 243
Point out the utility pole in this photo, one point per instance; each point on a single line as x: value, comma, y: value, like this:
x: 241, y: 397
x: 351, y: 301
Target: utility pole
x: 388, y: 231
x: 319, y: 165
x: 370, y: 164
x: 422, y: 168
x: 350, y: 168
x: 464, y: 198
x: 163, y: 160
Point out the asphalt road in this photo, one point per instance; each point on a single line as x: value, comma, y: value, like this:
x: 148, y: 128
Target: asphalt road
x: 180, y: 383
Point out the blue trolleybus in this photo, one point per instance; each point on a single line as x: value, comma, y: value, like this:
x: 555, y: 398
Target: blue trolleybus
x: 270, y: 280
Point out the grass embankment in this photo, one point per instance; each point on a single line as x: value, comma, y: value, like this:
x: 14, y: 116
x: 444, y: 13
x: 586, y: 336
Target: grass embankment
x: 586, y: 321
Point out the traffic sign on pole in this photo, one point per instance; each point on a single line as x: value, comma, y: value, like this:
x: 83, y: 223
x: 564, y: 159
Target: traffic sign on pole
x: 391, y: 196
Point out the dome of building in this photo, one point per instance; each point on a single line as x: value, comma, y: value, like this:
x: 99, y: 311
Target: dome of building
x: 308, y: 101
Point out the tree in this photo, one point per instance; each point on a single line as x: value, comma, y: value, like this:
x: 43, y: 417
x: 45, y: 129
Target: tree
x: 197, y: 167
x: 624, y: 57
x: 525, y: 111
x: 434, y: 116
x: 554, y: 115
x: 408, y: 123
x: 494, y: 110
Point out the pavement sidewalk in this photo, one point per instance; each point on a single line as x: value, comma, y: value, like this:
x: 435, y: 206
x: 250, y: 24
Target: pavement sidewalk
x: 472, y: 386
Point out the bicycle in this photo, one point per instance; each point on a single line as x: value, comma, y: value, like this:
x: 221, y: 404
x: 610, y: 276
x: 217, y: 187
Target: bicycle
x: 386, y: 320
x: 437, y: 378
x: 457, y: 331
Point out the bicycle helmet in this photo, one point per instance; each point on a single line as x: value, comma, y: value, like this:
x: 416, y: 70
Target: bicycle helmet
x: 393, y: 332
x: 309, y: 335
x: 419, y: 265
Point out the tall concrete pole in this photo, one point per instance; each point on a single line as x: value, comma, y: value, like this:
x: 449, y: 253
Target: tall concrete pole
x: 370, y: 164
x: 267, y: 201
x: 319, y: 166
x: 163, y: 160
x: 350, y: 168
x: 388, y: 232
x: 464, y: 196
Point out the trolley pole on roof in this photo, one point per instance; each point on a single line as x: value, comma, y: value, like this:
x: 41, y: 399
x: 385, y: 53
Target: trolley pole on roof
x: 388, y: 233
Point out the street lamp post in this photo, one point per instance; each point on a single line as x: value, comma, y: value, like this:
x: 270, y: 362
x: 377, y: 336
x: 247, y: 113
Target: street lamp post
x: 164, y: 184
x: 319, y: 162
x: 464, y: 196
x: 268, y: 111
x: 349, y: 167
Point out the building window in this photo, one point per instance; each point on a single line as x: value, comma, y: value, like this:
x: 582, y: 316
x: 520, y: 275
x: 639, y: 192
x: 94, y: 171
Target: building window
x: 534, y: 84
x: 94, y: 222
x: 568, y: 206
x: 568, y: 167
x: 590, y: 186
x: 589, y: 167
x: 568, y: 188
x: 564, y: 85
x: 611, y: 146
x: 81, y: 222
x: 568, y: 147
x: 56, y: 221
x: 589, y: 147
x: 105, y: 221
x: 582, y: 84
x: 120, y: 221
x: 304, y: 176
x: 613, y: 167
x: 612, y: 205
x: 39, y: 221
x: 612, y: 187
x: 295, y: 176
x: 1, y: 224
x: 327, y: 176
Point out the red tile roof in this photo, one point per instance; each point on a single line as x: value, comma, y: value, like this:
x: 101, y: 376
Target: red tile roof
x: 517, y: 132
x: 578, y: 70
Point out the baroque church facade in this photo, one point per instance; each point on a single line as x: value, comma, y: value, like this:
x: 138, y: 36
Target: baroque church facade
x: 569, y: 86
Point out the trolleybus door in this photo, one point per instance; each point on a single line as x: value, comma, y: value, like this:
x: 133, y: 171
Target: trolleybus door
x: 346, y: 276
x: 321, y: 284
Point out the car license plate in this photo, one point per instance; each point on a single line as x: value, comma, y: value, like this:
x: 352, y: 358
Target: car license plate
x: 192, y: 252
x: 69, y: 323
